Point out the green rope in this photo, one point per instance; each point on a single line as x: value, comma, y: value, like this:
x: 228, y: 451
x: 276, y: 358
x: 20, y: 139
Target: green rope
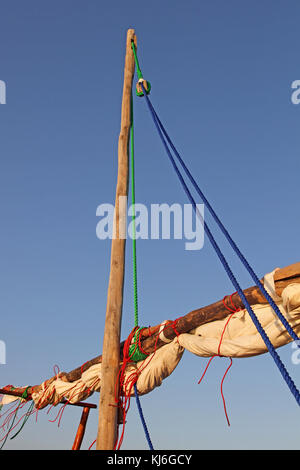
x: 138, y: 69
x: 25, y: 393
x: 28, y: 414
x: 139, y: 72
x: 135, y: 353
x: 135, y: 293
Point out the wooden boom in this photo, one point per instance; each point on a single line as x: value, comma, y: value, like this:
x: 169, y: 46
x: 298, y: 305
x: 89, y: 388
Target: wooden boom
x: 195, y: 318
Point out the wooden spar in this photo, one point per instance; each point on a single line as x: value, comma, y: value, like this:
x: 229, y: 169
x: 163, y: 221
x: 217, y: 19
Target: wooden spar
x: 203, y: 315
x: 215, y: 311
x: 81, y: 428
x: 18, y: 392
x: 200, y: 316
x: 108, y: 412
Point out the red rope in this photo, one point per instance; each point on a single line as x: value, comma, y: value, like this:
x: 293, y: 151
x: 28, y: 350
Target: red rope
x: 173, y: 326
x: 92, y: 444
x: 224, y: 404
x: 233, y: 309
x: 123, y: 388
x: 122, y: 395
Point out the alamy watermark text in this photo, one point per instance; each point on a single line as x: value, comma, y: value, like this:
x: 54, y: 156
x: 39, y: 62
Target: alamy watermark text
x: 2, y: 92
x: 160, y: 221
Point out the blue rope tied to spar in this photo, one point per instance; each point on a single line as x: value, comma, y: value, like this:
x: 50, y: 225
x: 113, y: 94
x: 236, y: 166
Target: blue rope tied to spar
x: 226, y: 266
x: 142, y: 418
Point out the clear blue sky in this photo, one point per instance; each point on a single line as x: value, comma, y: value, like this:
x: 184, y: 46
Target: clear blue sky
x: 221, y: 75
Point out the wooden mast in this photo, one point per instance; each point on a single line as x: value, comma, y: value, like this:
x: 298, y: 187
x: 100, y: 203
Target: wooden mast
x: 108, y: 412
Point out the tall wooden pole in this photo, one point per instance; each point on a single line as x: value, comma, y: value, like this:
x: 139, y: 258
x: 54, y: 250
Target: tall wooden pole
x: 108, y: 412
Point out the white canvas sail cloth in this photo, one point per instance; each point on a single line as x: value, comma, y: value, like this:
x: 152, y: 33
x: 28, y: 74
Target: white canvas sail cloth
x: 240, y: 339
x: 150, y: 372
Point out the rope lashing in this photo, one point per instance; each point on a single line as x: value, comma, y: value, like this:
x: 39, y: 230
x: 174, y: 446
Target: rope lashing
x: 165, y: 325
x: 226, y: 266
x: 227, y: 235
x: 136, y: 352
x: 125, y: 386
x: 141, y: 81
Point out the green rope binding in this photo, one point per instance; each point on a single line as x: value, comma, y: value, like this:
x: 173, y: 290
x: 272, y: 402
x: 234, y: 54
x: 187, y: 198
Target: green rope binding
x: 135, y: 353
x: 25, y: 393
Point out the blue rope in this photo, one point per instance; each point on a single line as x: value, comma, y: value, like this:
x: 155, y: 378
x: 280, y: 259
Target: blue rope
x: 227, y: 235
x: 142, y: 418
x: 229, y: 272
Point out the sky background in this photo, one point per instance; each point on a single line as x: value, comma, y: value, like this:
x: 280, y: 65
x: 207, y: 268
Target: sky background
x: 221, y: 75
